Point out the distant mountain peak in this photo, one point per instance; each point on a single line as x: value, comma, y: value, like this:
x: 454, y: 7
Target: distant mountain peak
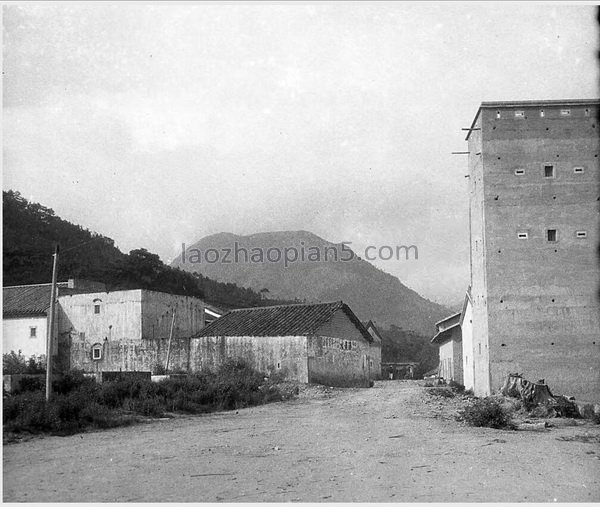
x: 372, y: 293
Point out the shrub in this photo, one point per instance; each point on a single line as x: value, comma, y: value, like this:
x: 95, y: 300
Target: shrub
x: 100, y: 416
x: 456, y: 387
x: 487, y: 412
x: 15, y: 362
x: 158, y: 369
x: 78, y: 402
x: 70, y: 381
x: 31, y: 384
x: 28, y: 411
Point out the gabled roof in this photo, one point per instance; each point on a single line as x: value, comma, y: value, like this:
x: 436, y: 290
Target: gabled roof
x: 468, y: 301
x: 446, y: 334
x: 450, y: 317
x: 28, y: 300
x: 372, y: 329
x: 280, y: 320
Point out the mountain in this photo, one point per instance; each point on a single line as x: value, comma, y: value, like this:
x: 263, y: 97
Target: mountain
x: 323, y: 271
x: 30, y: 232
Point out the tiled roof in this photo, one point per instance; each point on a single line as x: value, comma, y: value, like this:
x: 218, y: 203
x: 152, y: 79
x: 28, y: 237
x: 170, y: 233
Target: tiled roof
x: 24, y: 300
x: 281, y: 320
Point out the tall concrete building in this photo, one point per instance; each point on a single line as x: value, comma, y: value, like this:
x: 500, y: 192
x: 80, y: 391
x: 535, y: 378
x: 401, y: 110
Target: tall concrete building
x: 534, y: 219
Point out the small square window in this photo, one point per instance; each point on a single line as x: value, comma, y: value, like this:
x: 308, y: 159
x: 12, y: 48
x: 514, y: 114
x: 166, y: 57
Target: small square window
x: 519, y: 172
x: 578, y: 170
x: 33, y: 332
x: 519, y: 114
x: 551, y: 235
x: 581, y: 234
x: 96, y: 308
x: 522, y: 235
x: 548, y: 171
x: 565, y: 112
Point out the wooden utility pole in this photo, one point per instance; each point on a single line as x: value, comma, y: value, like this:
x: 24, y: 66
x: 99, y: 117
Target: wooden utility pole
x: 169, y: 346
x: 50, y: 330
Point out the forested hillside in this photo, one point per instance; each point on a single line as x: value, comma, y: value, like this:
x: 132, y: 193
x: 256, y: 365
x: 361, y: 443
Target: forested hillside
x: 31, y: 231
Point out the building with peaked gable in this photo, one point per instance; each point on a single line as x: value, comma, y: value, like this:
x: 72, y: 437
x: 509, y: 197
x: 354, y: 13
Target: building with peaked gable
x: 534, y: 176
x: 321, y: 343
x: 449, y: 340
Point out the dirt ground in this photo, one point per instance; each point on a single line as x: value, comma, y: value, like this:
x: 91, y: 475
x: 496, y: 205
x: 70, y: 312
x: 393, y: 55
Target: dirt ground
x: 390, y: 443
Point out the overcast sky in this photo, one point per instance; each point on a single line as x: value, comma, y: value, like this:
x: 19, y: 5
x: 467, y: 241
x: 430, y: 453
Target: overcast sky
x: 160, y: 124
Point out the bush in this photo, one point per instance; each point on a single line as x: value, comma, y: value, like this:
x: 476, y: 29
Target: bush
x: 14, y: 363
x: 31, y: 384
x: 158, y: 369
x: 100, y: 416
x: 456, y: 387
x: 78, y: 402
x: 71, y: 381
x: 487, y: 412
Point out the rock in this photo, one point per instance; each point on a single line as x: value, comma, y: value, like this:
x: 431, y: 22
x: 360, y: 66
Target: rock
x: 541, y: 426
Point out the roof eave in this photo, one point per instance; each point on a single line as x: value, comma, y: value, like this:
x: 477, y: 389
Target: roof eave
x: 448, y: 318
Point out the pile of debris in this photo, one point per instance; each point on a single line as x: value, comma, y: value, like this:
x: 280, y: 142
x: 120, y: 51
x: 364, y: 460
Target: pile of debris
x: 538, y: 399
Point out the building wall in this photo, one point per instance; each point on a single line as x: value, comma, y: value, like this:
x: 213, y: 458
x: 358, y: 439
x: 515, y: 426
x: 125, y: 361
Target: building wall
x: 479, y: 344
x: 375, y: 354
x: 132, y: 328
x: 16, y: 335
x: 269, y: 354
x: 157, y: 314
x: 541, y: 296
x: 119, y: 315
x: 451, y: 360
x: 467, y: 347
x: 339, y: 354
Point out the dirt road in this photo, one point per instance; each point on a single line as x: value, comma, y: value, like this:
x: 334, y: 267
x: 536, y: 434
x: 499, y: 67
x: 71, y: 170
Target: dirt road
x: 378, y: 444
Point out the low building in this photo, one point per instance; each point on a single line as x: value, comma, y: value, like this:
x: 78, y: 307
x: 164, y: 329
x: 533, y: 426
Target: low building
x: 128, y: 330
x: 25, y: 314
x: 314, y: 343
x: 449, y: 340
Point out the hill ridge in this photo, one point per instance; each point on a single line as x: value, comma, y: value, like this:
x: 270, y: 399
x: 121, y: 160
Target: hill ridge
x: 370, y: 291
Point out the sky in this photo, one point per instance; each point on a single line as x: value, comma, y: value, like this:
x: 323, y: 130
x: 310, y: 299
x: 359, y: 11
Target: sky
x: 159, y: 124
